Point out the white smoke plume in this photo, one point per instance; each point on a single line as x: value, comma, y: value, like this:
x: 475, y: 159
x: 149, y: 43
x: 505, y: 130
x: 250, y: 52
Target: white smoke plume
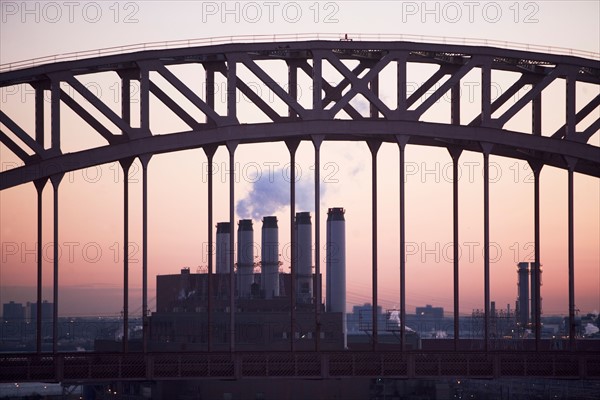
x: 271, y: 193
x: 591, y: 329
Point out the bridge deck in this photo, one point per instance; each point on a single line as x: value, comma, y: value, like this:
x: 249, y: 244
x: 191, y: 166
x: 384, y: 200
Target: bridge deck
x: 82, y: 367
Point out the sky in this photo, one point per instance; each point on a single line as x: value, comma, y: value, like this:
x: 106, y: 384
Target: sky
x: 91, y: 214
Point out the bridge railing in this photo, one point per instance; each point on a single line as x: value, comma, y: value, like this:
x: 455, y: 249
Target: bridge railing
x: 164, y: 45
x: 82, y: 367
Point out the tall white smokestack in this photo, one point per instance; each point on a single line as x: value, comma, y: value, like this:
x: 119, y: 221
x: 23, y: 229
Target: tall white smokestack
x: 270, y: 257
x: 223, y: 249
x: 534, y: 290
x: 245, y: 253
x: 303, y: 257
x: 336, y: 264
x: 523, y: 294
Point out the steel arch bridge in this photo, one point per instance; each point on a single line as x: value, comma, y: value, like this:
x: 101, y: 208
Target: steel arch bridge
x: 330, y: 115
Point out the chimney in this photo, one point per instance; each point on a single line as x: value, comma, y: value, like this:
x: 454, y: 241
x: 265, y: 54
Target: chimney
x: 533, y: 277
x: 336, y: 264
x: 303, y: 228
x: 245, y: 260
x: 270, y: 257
x: 223, y: 250
x: 523, y: 291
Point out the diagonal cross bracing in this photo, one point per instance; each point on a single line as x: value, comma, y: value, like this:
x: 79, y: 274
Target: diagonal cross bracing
x: 100, y: 106
x: 21, y: 134
x: 211, y: 114
x: 274, y: 86
x: 359, y: 85
x: 87, y: 117
x: 173, y: 106
x: 529, y: 96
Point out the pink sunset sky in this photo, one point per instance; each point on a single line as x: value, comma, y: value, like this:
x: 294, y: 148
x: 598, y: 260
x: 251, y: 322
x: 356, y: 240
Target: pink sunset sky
x: 91, y: 210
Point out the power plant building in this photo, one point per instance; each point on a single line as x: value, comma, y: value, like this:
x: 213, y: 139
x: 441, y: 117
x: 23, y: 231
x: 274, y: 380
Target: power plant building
x: 262, y: 299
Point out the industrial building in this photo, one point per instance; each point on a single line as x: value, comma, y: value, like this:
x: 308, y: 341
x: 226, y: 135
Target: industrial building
x: 262, y: 293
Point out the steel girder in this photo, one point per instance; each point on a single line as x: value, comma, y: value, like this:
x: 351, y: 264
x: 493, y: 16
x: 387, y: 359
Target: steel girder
x: 299, y: 121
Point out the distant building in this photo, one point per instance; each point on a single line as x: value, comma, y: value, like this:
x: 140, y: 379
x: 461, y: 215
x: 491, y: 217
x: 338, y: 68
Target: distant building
x: 13, y: 311
x: 31, y: 311
x: 430, y: 312
x: 361, y: 318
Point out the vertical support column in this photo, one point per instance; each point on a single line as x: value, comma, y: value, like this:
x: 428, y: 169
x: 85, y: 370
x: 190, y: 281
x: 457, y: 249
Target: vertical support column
x: 571, y: 121
x: 374, y: 86
x: 292, y: 146
x: 571, y: 162
x: 455, y: 154
x: 209, y: 69
x: 486, y: 102
x: 231, y: 146
x: 39, y: 115
x: 536, y: 168
x: 317, y: 85
x: 292, y: 86
x: 126, y: 99
x: 39, y: 186
x: 55, y: 179
x: 401, y: 83
x: 210, y: 152
x: 402, y: 141
x: 455, y: 104
x: 317, y: 141
x: 231, y: 99
x: 374, y: 147
x: 536, y: 117
x: 55, y: 114
x: 487, y: 148
x: 144, y: 100
x: 145, y: 159
x: 210, y: 85
x: 125, y: 164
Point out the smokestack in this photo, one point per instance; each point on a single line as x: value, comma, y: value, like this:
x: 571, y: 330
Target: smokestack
x: 534, y: 290
x: 270, y: 257
x: 223, y: 250
x: 245, y: 261
x: 523, y: 299
x: 303, y: 257
x: 336, y: 264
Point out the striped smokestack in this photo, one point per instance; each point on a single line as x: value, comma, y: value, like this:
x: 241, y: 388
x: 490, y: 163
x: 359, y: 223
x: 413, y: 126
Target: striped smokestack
x: 270, y: 258
x: 223, y: 250
x: 304, y: 257
x: 245, y: 260
x: 336, y: 265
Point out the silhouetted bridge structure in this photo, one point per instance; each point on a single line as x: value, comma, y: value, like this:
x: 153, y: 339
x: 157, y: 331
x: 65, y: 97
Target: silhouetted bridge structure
x: 328, y: 116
